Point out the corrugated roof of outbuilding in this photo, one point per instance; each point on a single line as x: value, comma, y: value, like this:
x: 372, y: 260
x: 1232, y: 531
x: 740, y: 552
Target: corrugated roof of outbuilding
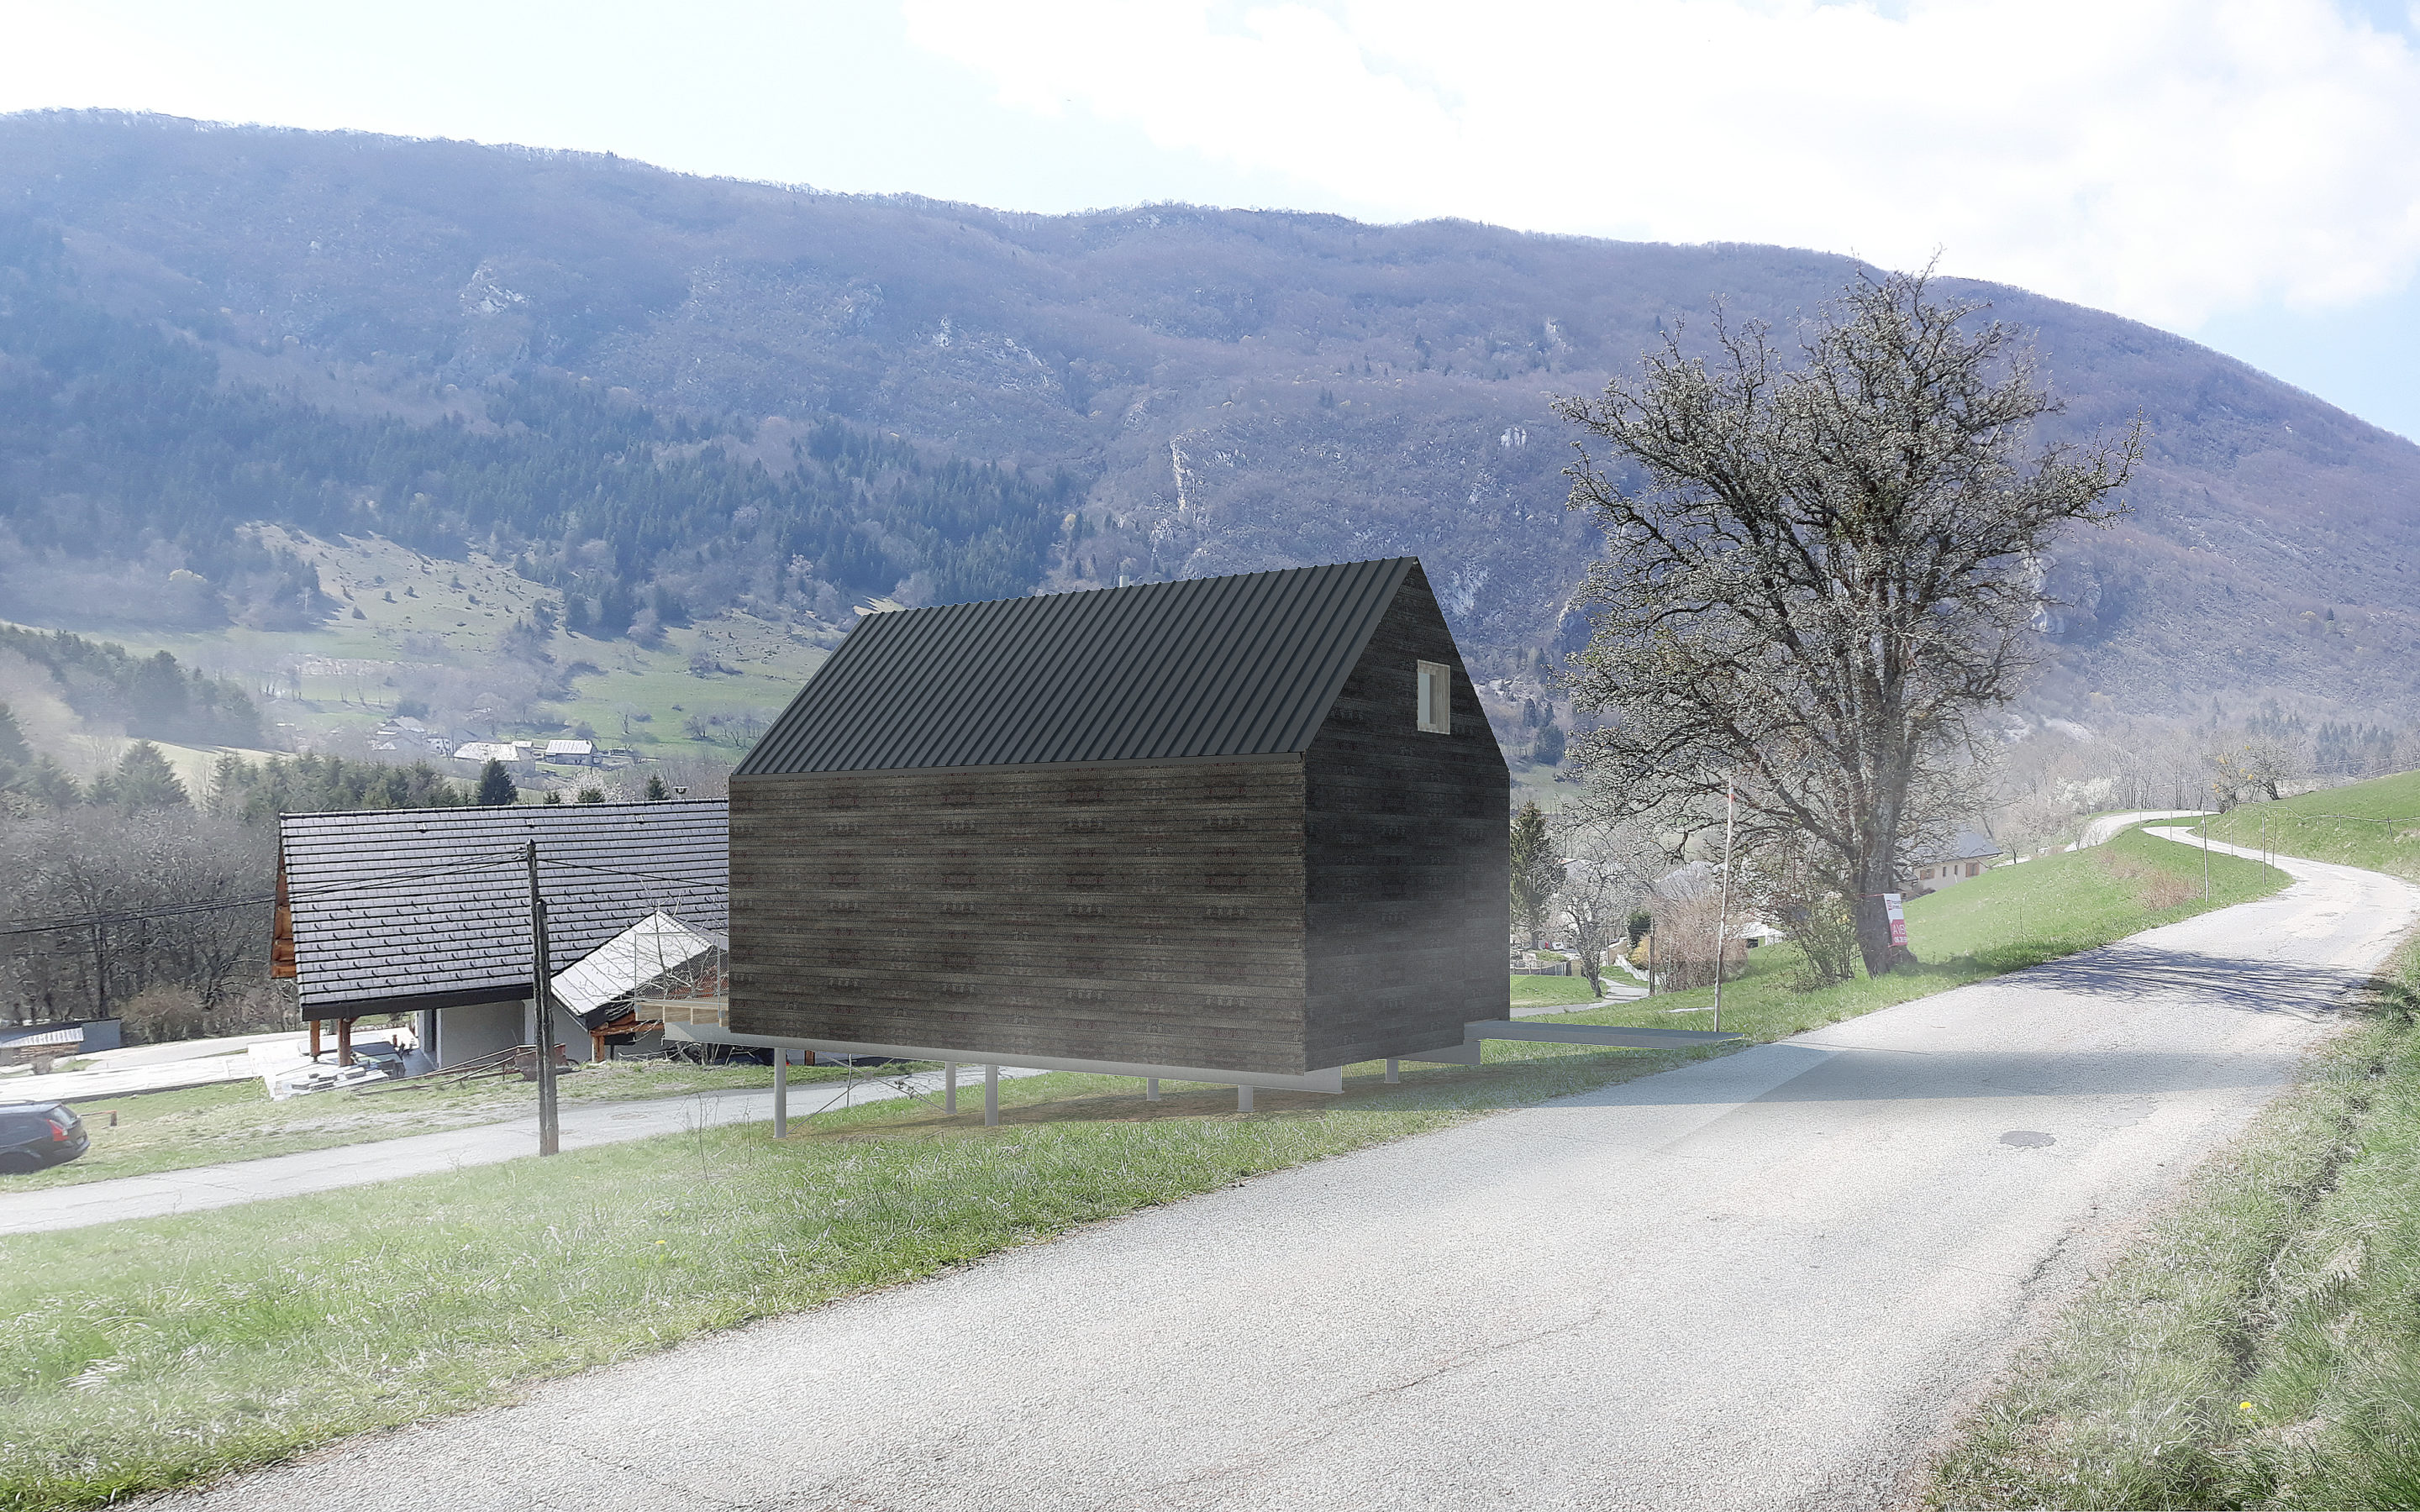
x: 1240, y: 666
x: 398, y: 909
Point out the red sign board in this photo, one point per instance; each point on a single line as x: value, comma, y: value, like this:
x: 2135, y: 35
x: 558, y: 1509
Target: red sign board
x: 1897, y: 919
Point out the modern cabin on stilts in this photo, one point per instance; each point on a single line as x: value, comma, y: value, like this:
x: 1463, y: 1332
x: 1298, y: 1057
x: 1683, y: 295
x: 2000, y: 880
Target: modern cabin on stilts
x: 1248, y: 830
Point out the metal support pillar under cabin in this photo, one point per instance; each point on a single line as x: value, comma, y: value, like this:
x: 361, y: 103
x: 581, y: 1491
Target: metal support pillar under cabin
x: 780, y: 1093
x: 1243, y: 1097
x: 1151, y: 1089
x: 949, y: 1086
x: 991, y: 1094
x: 1394, y: 1070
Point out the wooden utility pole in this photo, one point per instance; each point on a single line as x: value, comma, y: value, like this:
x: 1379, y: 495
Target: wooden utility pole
x: 550, y: 1134
x: 1723, y: 919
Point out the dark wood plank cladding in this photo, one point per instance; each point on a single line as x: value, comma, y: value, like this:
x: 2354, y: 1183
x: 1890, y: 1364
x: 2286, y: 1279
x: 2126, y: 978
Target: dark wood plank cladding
x: 1132, y: 913
x: 1406, y: 866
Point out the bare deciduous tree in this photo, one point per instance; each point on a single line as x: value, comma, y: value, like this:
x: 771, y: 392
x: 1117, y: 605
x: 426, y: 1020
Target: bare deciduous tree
x: 1816, y: 574
x: 1607, y: 871
x: 156, y: 886
x: 2252, y: 768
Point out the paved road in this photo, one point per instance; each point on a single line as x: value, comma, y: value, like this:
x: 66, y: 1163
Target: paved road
x: 2103, y: 830
x: 1759, y: 1282
x: 1615, y: 992
x: 130, y: 1056
x: 486, y: 1144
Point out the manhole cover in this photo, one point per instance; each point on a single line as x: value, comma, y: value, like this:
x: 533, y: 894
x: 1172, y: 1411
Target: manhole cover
x: 2027, y: 1138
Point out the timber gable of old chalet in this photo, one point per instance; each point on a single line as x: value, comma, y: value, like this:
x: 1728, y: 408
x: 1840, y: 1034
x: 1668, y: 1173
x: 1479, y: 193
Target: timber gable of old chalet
x: 1252, y: 823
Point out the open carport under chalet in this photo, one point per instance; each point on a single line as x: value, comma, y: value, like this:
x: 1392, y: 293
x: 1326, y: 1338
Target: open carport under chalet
x: 426, y: 910
x: 1250, y: 826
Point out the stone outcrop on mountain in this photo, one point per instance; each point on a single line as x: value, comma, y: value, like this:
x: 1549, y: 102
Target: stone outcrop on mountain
x: 1170, y: 391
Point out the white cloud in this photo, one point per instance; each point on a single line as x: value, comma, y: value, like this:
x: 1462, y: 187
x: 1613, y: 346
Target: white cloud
x: 2166, y: 159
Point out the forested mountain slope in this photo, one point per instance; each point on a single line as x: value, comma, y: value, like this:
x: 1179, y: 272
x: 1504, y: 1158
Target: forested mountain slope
x: 669, y: 394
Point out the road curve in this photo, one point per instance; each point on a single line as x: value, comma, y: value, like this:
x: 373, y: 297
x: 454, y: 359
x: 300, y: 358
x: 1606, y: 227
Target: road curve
x: 2103, y: 830
x: 1763, y: 1281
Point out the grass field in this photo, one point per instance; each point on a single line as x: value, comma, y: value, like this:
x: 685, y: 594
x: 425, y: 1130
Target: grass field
x: 425, y: 612
x: 2260, y: 1348
x: 237, y: 1121
x: 2374, y: 824
x: 157, y: 1132
x: 1545, y: 992
x: 155, y: 1352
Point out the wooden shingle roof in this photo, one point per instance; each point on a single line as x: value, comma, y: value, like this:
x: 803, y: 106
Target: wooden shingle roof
x: 1239, y: 666
x: 394, y: 910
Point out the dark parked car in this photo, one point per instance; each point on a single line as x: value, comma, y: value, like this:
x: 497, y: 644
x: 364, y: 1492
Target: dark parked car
x: 35, y: 1134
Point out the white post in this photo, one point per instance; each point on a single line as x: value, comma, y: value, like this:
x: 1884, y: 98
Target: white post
x: 1243, y: 1100
x: 991, y: 1095
x: 1723, y: 919
x: 780, y: 1093
x: 949, y: 1086
x: 1151, y: 1088
x: 1393, y: 1072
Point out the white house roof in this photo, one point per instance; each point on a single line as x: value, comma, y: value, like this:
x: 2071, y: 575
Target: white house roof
x: 641, y: 958
x: 1967, y: 845
x: 491, y: 751
x: 570, y: 747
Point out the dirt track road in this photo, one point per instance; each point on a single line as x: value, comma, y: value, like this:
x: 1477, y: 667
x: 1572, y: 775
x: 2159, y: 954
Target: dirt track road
x: 1763, y: 1281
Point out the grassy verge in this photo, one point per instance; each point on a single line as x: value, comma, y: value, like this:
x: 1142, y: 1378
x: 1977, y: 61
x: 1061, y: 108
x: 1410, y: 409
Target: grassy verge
x: 2260, y: 1349
x: 237, y: 1121
x: 155, y: 1352
x: 1545, y: 992
x: 2374, y: 824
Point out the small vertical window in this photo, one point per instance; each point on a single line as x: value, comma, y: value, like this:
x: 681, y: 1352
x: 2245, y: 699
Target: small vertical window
x: 1436, y: 698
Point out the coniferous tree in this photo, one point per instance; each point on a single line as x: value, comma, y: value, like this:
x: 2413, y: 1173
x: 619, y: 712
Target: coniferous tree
x: 496, y: 785
x: 657, y: 792
x: 1534, y: 874
x: 13, y: 749
x: 615, y: 609
x: 144, y: 779
x: 50, y: 784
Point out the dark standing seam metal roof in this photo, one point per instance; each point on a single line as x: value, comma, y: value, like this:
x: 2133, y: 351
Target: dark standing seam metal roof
x: 1240, y: 666
x: 396, y: 909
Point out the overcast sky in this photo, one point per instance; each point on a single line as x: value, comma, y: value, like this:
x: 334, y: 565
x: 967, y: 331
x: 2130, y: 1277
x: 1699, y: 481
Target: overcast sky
x: 2246, y: 173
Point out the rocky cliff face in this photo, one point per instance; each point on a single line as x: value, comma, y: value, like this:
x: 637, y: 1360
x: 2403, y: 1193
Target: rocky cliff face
x: 1229, y: 390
